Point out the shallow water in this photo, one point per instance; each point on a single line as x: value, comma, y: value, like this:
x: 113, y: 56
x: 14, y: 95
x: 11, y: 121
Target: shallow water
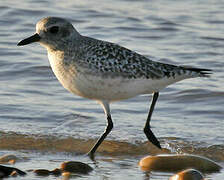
x: 188, y: 117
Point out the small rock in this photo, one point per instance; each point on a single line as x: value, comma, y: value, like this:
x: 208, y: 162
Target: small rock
x: 56, y: 172
x: 76, y: 167
x: 174, y: 163
x: 14, y: 174
x: 6, y: 171
x: 42, y: 172
x: 45, y: 172
x: 188, y: 174
x: 66, y: 175
x: 8, y: 158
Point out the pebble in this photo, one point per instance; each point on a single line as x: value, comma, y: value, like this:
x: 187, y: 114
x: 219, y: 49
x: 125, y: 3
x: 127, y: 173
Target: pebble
x: 76, y: 167
x: 42, y: 172
x: 56, y: 172
x: 66, y: 175
x: 45, y: 172
x: 14, y: 174
x: 66, y: 169
x: 8, y: 159
x: 174, y: 163
x: 6, y: 171
x: 188, y: 174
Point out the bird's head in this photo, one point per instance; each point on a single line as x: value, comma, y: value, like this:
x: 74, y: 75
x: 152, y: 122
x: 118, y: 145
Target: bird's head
x: 52, y: 32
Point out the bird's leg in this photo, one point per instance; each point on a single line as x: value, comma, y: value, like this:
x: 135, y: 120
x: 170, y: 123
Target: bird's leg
x: 107, y: 130
x: 148, y: 132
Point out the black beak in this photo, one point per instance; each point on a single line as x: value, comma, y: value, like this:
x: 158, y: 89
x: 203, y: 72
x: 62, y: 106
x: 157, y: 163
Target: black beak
x: 31, y: 39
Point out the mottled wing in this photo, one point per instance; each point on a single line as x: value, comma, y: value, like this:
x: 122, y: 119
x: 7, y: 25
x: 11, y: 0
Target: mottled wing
x: 113, y: 59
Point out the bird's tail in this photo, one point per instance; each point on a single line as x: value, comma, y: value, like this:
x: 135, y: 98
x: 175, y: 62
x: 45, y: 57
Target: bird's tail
x: 198, y: 71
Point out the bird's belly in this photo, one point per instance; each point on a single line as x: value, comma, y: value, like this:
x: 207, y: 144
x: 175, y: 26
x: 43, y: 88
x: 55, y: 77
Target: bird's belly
x: 108, y: 88
x: 99, y: 88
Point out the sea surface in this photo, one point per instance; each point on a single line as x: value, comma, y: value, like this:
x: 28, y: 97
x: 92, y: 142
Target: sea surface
x: 44, y: 125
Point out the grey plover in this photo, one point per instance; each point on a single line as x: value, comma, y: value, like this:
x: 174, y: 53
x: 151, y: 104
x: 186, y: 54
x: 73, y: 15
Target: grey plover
x: 104, y: 71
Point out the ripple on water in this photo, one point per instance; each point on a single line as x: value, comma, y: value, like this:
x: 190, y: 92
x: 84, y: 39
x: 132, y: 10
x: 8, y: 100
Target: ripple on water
x: 60, y: 143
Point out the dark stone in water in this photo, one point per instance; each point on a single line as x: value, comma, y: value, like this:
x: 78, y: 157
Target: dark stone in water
x: 6, y: 171
x: 45, y: 172
x: 42, y: 172
x: 56, y: 172
x: 76, y: 167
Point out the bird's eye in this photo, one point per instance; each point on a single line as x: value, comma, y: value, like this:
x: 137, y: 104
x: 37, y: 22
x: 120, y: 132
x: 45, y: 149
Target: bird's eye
x: 54, y: 29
